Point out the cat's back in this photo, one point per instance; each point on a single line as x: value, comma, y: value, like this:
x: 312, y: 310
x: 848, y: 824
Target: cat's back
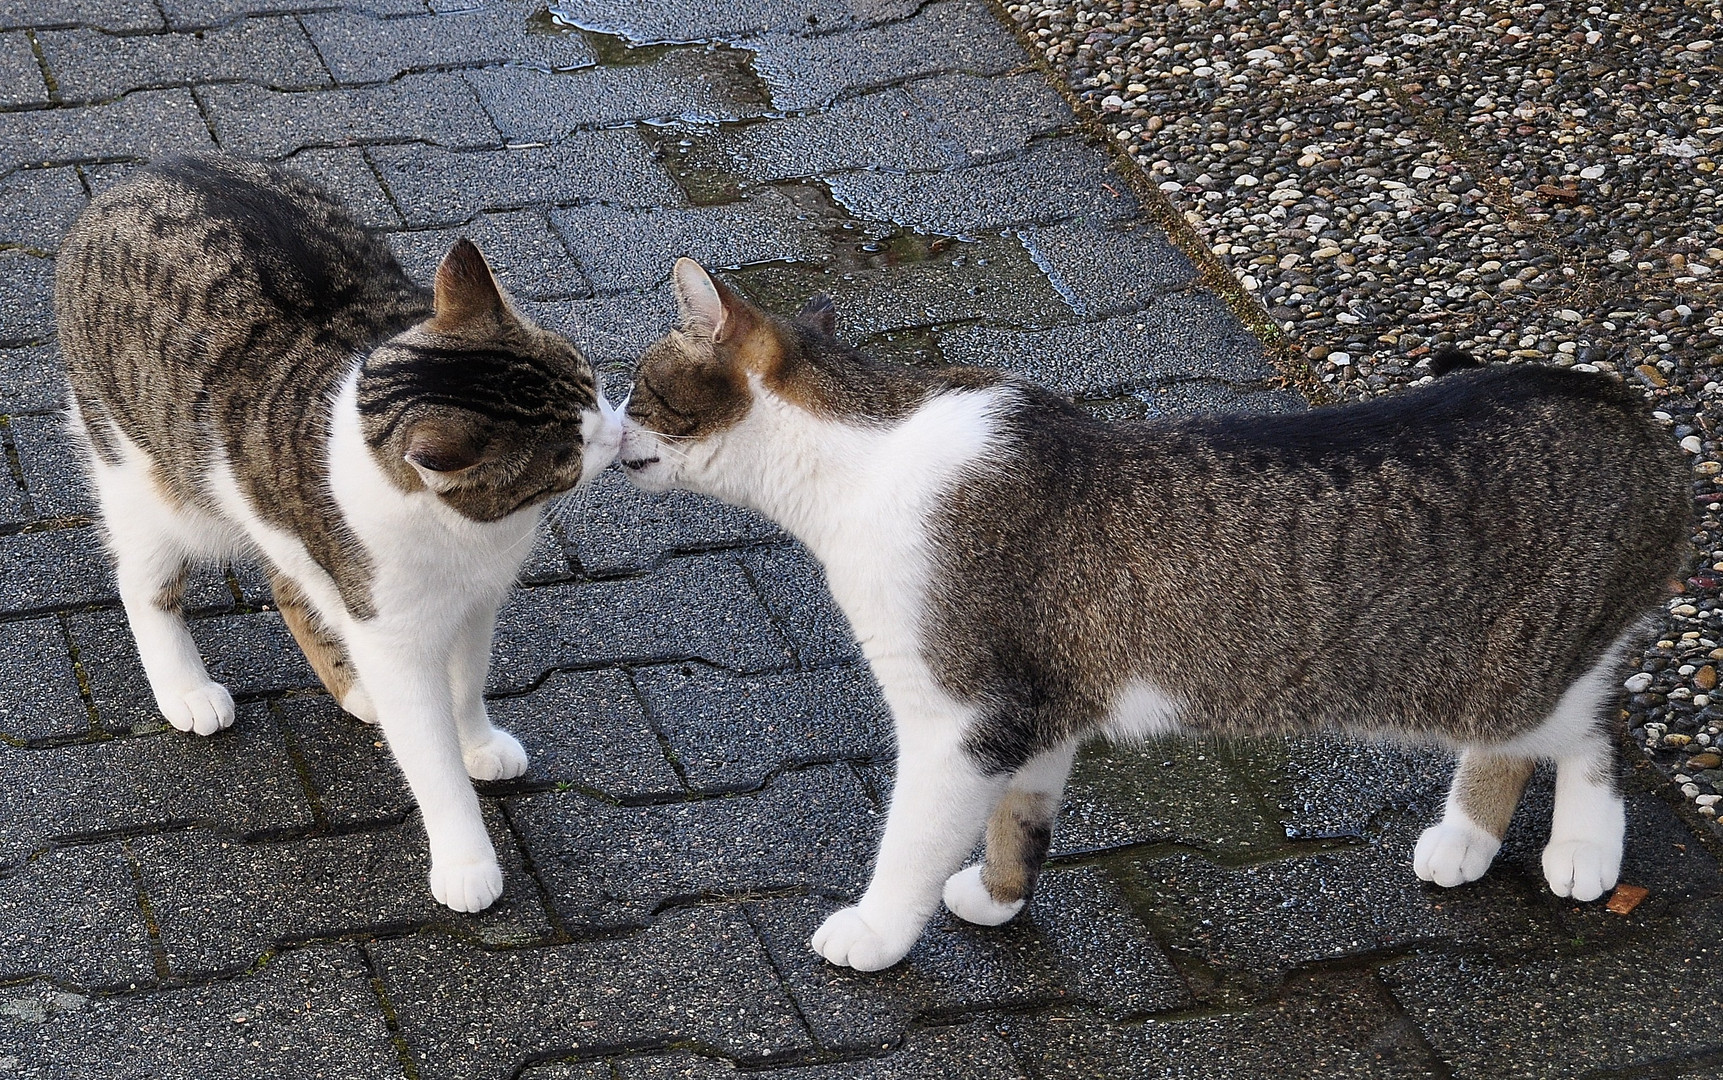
x: 199, y: 264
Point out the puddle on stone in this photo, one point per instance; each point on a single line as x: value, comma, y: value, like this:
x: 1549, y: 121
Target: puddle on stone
x: 670, y: 142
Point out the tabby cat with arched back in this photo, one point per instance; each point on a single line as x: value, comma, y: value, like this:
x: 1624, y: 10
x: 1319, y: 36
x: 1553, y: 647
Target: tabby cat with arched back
x: 253, y: 375
x: 1462, y: 563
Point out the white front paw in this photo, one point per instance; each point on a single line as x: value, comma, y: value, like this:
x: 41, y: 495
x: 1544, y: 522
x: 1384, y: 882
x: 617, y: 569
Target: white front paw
x: 358, y: 703
x: 1454, y: 852
x: 849, y: 940
x: 204, y: 709
x: 1582, y: 869
x: 466, y: 886
x: 499, y: 757
x: 969, y: 899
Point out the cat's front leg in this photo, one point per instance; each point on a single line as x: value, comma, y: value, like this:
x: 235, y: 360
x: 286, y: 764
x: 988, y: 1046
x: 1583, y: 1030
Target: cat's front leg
x: 1018, y: 834
x: 409, y: 681
x: 938, y: 805
x: 490, y: 753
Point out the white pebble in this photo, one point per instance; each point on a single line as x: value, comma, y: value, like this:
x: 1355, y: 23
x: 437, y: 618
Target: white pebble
x: 1246, y: 180
x: 1639, y: 683
x: 1340, y: 358
x: 1691, y: 444
x: 1592, y: 172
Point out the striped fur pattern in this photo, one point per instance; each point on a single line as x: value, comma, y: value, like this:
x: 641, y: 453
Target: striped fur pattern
x: 254, y: 376
x: 1464, y: 563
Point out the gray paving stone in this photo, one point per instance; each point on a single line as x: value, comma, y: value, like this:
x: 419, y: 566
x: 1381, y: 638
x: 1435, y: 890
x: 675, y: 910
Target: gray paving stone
x: 520, y: 245
x: 1198, y: 793
x: 990, y: 118
x: 72, y: 915
x: 106, y: 14
x: 1055, y: 180
x: 239, y: 782
x: 730, y: 732
x: 1176, y: 337
x: 250, y: 653
x: 660, y: 21
x: 90, y: 66
x: 147, y: 124
x: 1108, y: 269
x: 53, y: 467
x: 31, y: 379
x: 634, y: 250
x: 588, y: 729
x: 1255, y: 923
x: 437, y: 108
x: 612, y: 331
x: 344, y: 173
x: 700, y: 608
x: 436, y: 186
x: 37, y: 206
x: 991, y: 279
x: 14, y: 507
x: 1332, y: 1026
x: 707, y: 86
x: 1338, y: 787
x: 313, y: 1008
x: 614, y: 528
x: 547, y: 562
x: 885, y: 130
x: 193, y: 14
x: 361, y: 49
x: 26, y: 295
x: 21, y: 81
x: 348, y: 767
x: 1076, y: 943
x: 807, y: 72
x: 54, y: 568
x: 793, y: 585
x: 607, y: 866
x: 219, y: 903
x: 1564, y: 1016
x: 39, y: 697
x: 697, y: 975
x: 570, y: 1070
x: 971, y: 1051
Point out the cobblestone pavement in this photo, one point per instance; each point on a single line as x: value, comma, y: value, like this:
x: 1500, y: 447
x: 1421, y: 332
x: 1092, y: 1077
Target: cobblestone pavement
x: 711, y: 760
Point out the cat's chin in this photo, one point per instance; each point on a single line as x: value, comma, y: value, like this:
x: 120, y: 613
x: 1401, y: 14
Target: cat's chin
x: 648, y: 475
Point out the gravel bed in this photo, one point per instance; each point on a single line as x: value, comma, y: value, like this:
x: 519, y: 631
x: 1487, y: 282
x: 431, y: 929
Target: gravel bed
x: 1529, y: 182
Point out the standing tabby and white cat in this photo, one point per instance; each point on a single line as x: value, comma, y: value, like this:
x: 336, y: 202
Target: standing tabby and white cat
x: 252, y: 374
x: 1460, y: 564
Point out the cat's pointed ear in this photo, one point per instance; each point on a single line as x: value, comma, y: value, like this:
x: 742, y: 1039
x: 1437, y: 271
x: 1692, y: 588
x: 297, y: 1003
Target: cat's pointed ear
x: 441, y: 451
x: 708, y: 307
x: 466, y: 292
x: 819, y: 316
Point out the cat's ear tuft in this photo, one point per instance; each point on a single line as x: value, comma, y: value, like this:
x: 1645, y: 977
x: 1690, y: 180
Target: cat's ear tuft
x: 466, y: 292
x: 441, y: 453
x: 819, y: 316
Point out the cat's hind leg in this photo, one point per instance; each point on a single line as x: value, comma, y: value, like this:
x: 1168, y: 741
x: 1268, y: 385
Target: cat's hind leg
x: 153, y: 542
x: 322, y: 647
x: 1481, y: 802
x: 1019, y: 832
x: 1588, y: 829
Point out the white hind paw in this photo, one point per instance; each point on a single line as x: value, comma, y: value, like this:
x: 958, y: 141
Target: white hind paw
x: 968, y: 898
x: 1452, y: 853
x: 1582, y: 869
x: 848, y: 940
x: 499, y: 757
x: 467, y: 886
x: 359, y: 705
x: 204, y: 709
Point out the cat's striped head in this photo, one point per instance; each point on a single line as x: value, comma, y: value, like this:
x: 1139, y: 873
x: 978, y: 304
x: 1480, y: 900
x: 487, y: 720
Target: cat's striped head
x: 480, y: 406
